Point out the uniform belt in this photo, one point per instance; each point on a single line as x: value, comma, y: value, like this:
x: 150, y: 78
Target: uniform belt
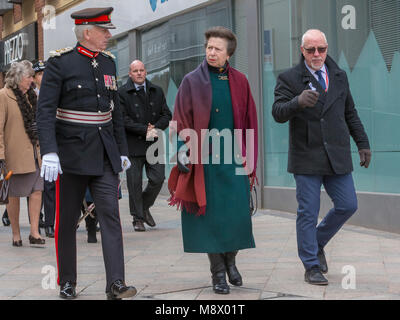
x: 83, y: 117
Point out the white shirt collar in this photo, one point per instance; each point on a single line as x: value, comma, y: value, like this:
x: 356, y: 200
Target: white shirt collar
x: 323, y: 70
x: 139, y: 85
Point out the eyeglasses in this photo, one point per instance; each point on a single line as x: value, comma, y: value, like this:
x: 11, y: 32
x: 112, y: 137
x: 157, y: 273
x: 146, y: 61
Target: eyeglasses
x: 312, y: 50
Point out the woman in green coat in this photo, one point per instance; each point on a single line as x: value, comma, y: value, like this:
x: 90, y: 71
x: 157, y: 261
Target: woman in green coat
x: 211, y: 181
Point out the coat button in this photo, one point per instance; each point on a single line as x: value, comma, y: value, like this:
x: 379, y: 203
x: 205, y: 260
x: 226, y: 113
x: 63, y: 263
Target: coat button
x: 79, y: 86
x: 99, y: 128
x: 97, y: 79
x: 98, y: 96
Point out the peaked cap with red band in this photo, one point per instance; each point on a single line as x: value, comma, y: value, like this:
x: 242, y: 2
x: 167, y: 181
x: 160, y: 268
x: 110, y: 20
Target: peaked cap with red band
x: 96, y: 16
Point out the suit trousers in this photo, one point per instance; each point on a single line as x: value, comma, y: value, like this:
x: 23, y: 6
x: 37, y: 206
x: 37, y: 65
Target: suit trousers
x: 140, y: 200
x: 70, y: 189
x: 311, y: 237
x: 49, y: 203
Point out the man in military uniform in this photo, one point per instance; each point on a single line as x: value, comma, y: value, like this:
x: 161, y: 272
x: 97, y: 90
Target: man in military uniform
x: 82, y: 138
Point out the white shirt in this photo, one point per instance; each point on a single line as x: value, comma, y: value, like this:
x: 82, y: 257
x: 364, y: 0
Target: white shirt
x: 323, y: 73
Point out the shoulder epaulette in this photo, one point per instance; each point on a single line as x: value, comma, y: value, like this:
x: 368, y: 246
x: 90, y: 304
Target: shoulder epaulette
x: 59, y: 52
x: 108, y: 54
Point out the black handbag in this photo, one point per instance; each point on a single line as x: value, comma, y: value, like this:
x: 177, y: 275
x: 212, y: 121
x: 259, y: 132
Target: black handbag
x: 4, y: 183
x: 253, y: 204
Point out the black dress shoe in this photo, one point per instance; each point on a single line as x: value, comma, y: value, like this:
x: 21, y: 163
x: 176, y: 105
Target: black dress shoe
x: 68, y: 291
x: 138, y: 225
x: 148, y: 218
x: 314, y: 276
x: 322, y: 260
x: 49, y: 232
x: 119, y: 290
x: 220, y: 286
x: 218, y: 273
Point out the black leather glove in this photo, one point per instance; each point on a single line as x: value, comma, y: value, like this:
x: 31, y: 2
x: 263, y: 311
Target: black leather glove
x: 308, y: 98
x: 365, y: 157
x: 183, y: 160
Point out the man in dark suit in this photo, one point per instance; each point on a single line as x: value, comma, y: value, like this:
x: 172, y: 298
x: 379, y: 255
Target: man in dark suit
x: 145, y: 111
x: 82, y: 138
x: 315, y: 98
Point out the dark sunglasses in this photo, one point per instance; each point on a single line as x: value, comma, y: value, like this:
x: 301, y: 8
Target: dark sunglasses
x: 312, y: 50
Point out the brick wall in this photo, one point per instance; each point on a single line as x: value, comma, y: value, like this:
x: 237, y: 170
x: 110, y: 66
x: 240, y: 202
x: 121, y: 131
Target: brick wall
x: 39, y: 4
x: 17, y: 11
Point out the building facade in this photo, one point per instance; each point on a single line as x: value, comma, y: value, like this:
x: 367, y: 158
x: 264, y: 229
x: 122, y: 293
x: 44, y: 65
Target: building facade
x: 363, y: 37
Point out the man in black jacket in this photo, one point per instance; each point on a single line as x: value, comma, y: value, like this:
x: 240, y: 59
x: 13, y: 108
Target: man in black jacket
x: 315, y: 98
x: 145, y: 111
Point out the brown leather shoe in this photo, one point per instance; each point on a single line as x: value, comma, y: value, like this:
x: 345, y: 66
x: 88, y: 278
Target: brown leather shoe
x: 138, y: 225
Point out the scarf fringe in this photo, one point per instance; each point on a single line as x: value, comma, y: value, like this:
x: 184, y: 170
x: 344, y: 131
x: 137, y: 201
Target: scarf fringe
x: 190, y: 207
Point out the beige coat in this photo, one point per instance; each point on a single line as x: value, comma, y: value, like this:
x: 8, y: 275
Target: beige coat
x: 15, y: 146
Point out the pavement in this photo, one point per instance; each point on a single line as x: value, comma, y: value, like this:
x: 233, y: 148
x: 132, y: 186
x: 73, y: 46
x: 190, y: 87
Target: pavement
x: 363, y: 263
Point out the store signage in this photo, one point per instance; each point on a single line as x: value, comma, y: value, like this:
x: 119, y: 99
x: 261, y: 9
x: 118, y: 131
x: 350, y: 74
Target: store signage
x: 19, y: 46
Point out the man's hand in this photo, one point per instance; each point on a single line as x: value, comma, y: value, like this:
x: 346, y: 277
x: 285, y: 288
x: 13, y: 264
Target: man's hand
x: 50, y: 167
x: 308, y: 98
x: 151, y: 132
x: 183, y: 160
x: 365, y: 157
x: 125, y: 163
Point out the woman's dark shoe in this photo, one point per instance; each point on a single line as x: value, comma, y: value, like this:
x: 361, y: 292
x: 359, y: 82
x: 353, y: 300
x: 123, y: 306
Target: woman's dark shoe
x: 33, y: 240
x: 233, y: 273
x: 49, y: 232
x: 5, y: 219
x: 218, y: 271
x: 17, y: 243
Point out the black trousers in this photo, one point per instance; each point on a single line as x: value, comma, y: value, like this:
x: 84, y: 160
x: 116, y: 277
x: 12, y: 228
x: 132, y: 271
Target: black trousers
x: 140, y: 200
x: 104, y: 190
x: 49, y: 203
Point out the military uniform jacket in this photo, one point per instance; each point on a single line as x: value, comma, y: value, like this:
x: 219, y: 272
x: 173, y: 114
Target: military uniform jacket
x: 77, y: 82
x: 140, y: 109
x: 319, y: 136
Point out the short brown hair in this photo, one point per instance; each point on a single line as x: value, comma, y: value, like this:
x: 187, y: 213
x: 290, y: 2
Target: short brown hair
x: 224, y: 33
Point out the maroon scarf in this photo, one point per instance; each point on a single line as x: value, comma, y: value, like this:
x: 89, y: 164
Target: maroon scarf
x: 192, y: 110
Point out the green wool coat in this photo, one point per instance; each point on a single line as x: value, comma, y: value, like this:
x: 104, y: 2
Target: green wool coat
x: 226, y: 225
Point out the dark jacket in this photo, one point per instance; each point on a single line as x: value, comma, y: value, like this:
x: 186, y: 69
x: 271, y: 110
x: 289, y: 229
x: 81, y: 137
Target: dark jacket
x: 319, y: 136
x: 139, y: 111
x: 73, y: 81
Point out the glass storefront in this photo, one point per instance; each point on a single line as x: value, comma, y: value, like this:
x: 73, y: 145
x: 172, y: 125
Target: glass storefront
x: 364, y: 39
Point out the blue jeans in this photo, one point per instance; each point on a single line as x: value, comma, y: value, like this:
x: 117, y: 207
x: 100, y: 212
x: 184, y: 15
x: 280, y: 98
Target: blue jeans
x: 311, y: 237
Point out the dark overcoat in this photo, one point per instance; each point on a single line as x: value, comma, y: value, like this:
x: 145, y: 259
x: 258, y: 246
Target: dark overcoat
x: 319, y: 136
x: 138, y: 111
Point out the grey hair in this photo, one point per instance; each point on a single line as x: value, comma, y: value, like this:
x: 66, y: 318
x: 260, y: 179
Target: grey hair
x: 17, y: 71
x: 309, y: 31
x: 79, y: 30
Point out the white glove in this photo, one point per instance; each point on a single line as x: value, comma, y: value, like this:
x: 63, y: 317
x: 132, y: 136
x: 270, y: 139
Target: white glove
x: 50, y: 167
x: 125, y: 163
x: 151, y: 134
